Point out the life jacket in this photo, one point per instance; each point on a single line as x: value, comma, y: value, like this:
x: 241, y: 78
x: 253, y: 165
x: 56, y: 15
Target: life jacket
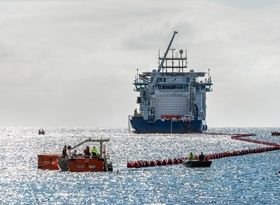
x: 94, y: 151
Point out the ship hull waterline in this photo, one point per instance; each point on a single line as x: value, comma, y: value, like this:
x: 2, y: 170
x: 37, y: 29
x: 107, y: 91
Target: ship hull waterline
x: 167, y: 126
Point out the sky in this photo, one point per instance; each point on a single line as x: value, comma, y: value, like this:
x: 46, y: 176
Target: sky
x: 71, y: 63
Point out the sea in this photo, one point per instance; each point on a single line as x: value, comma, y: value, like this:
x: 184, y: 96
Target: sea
x: 249, y: 179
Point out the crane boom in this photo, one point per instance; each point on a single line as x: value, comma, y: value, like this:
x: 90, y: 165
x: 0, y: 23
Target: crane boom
x: 162, y: 61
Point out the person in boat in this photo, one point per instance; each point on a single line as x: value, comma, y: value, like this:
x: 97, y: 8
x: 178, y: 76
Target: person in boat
x: 191, y: 156
x: 87, y: 151
x: 64, y: 151
x: 69, y: 150
x: 201, y: 157
x: 94, y: 152
x: 74, y: 153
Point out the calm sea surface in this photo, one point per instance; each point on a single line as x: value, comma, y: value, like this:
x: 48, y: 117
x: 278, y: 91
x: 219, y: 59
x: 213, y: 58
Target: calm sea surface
x: 249, y: 179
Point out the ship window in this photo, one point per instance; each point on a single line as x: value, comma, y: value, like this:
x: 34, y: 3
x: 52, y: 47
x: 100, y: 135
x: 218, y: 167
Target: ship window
x: 164, y: 79
x: 187, y: 80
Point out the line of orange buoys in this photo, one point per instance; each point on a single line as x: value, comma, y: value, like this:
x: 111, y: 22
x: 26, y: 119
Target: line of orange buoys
x: 241, y: 137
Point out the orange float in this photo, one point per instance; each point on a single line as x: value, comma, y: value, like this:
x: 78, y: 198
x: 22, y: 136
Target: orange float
x: 240, y: 137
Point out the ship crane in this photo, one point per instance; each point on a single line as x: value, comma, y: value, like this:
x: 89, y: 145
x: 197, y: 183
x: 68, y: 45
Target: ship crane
x: 154, y: 80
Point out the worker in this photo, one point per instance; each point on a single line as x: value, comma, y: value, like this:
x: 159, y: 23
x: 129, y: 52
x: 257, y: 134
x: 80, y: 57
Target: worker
x: 94, y: 152
x: 135, y: 112
x: 69, y: 150
x: 64, y: 151
x: 201, y: 157
x: 86, y: 151
x: 191, y: 156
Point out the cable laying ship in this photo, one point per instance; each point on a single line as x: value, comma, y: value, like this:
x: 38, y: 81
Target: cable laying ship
x: 171, y: 100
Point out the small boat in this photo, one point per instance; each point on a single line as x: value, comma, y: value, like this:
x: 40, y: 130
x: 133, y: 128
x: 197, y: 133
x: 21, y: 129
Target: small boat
x: 41, y: 132
x: 79, y: 162
x: 197, y: 163
x: 275, y: 133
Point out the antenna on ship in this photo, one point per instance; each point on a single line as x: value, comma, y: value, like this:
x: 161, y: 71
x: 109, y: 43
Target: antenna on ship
x: 209, y: 76
x: 181, y: 57
x: 137, y: 75
x: 177, y: 38
x: 186, y: 54
x: 158, y: 57
x: 172, y: 59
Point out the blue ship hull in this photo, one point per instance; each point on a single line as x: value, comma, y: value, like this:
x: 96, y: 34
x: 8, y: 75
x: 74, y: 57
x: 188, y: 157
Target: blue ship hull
x: 167, y: 126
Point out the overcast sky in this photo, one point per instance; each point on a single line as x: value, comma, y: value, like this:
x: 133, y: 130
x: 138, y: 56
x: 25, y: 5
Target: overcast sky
x: 71, y: 63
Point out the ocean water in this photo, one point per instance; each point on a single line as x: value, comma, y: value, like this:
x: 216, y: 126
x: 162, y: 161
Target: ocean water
x: 249, y: 179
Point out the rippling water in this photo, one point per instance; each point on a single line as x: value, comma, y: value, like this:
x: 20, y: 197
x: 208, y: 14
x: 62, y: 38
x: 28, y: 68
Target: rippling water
x: 249, y: 179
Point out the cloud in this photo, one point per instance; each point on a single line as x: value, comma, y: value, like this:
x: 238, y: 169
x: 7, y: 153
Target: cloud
x: 73, y: 62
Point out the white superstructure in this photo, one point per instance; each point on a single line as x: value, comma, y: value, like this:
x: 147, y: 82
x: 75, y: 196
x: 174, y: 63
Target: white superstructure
x: 171, y: 90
